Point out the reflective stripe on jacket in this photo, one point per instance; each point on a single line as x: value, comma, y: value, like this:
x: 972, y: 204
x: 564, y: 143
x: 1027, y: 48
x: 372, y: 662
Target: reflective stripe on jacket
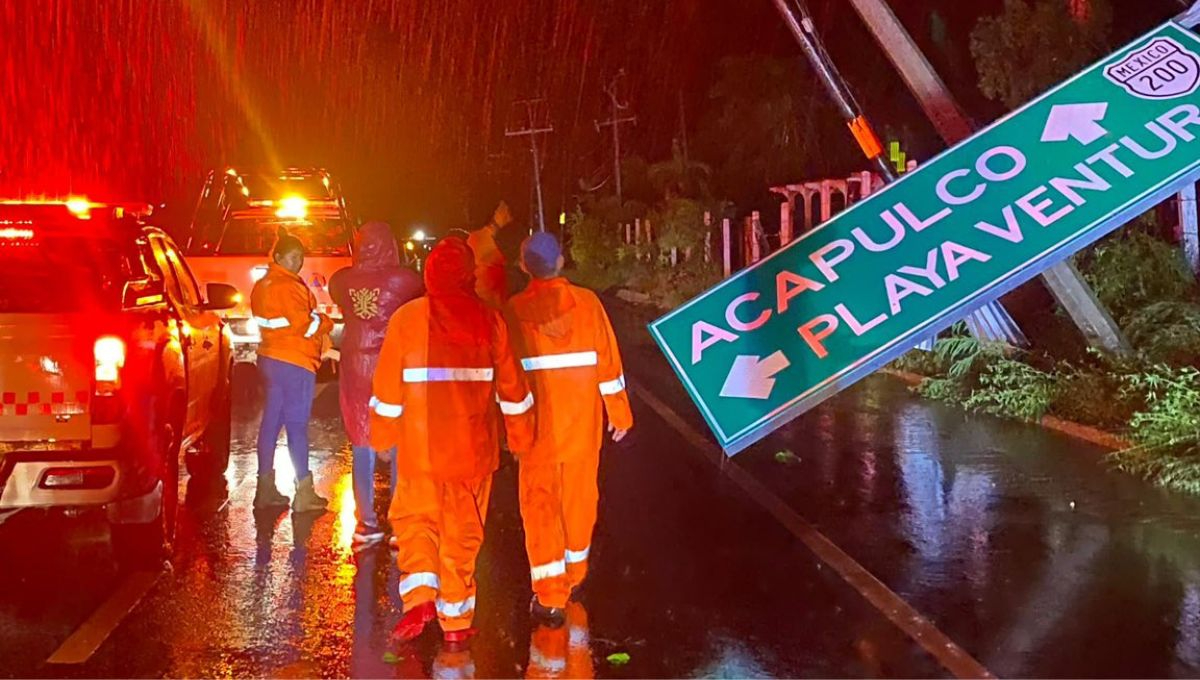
x: 570, y: 356
x: 436, y: 394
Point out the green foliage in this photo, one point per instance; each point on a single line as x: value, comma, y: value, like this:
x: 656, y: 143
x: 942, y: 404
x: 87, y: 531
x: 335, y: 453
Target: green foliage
x: 765, y: 125
x: 1167, y: 430
x: 600, y: 259
x: 1031, y: 46
x: 1166, y: 332
x: 680, y: 177
x: 1012, y: 389
x: 964, y: 357
x: 1093, y: 395
x: 1132, y: 270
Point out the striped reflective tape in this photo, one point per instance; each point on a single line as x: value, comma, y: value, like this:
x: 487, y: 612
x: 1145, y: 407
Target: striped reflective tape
x: 551, y: 361
x: 314, y: 326
x: 548, y: 570
x: 420, y: 579
x: 273, y: 324
x: 516, y: 408
x: 464, y: 672
x: 577, y: 556
x: 546, y: 663
x: 385, y: 409
x: 612, y: 387
x: 454, y: 609
x: 426, y: 375
x: 43, y: 404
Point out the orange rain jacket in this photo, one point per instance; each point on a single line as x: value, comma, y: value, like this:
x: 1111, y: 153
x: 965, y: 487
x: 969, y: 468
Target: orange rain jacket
x: 569, y: 352
x: 444, y: 366
x: 491, y: 279
x: 285, y: 311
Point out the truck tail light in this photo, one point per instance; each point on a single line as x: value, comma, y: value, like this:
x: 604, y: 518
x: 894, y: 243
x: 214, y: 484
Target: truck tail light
x: 109, y: 353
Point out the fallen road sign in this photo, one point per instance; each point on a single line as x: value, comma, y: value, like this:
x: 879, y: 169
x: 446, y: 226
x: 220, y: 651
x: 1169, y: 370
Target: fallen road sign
x: 779, y: 337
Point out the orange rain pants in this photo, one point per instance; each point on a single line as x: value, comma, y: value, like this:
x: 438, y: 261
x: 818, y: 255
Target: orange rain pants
x: 439, y: 526
x: 570, y: 356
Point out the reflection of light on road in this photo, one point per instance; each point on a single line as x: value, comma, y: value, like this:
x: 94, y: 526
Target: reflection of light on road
x: 1187, y: 646
x: 285, y: 472
x: 343, y: 529
x: 921, y: 470
x: 736, y: 660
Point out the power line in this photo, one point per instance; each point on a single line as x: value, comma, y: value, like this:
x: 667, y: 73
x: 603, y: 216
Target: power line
x: 532, y: 130
x: 615, y: 121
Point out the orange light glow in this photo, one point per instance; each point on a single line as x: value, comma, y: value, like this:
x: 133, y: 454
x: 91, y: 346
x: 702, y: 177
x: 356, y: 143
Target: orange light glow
x: 79, y: 207
x: 292, y: 208
x: 109, y: 352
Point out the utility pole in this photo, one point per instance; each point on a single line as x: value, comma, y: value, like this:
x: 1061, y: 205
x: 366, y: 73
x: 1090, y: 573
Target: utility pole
x: 795, y: 14
x: 989, y: 322
x: 616, y: 119
x: 1063, y: 280
x: 531, y: 130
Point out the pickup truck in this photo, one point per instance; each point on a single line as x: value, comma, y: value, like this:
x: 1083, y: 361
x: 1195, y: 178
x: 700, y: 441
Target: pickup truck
x: 112, y: 366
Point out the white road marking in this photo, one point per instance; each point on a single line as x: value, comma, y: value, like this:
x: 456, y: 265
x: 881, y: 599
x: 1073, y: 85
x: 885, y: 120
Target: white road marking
x: 84, y: 642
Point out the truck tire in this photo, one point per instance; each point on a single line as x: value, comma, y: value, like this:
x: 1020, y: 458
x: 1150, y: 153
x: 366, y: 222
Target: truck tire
x: 147, y: 544
x: 211, y: 459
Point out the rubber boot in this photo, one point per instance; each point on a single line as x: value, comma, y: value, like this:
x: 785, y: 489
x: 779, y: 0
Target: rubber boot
x: 266, y: 494
x: 550, y: 617
x: 306, y: 499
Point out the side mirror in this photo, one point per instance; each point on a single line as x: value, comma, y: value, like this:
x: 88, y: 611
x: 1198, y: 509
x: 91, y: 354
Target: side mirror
x: 221, y: 296
x: 142, y: 292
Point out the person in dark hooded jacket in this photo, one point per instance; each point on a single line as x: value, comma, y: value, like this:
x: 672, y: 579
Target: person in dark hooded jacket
x: 368, y: 293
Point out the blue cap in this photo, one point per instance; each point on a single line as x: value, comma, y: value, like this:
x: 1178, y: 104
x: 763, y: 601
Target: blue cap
x: 540, y: 254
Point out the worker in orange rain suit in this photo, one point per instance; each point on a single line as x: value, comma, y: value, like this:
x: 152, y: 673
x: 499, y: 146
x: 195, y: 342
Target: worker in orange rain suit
x: 294, y: 337
x: 444, y: 365
x: 569, y: 352
x: 491, y: 278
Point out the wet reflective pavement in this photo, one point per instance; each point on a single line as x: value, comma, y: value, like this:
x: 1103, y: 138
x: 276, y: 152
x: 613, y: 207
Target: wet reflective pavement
x: 1013, y: 541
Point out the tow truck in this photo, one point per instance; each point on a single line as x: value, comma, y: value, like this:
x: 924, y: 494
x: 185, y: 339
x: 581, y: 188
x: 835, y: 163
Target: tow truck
x: 236, y: 220
x: 112, y: 366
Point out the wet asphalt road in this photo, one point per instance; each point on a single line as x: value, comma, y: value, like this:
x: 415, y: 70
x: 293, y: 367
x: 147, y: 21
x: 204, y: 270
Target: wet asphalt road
x: 1013, y: 541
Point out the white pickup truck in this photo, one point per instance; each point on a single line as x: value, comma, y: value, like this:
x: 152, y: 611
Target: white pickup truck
x: 234, y: 227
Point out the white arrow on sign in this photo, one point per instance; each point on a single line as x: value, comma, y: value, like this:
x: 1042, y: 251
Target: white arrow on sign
x: 1081, y: 121
x: 750, y: 377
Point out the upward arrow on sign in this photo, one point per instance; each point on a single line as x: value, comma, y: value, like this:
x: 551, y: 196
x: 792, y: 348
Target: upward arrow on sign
x: 1081, y: 121
x: 975, y: 222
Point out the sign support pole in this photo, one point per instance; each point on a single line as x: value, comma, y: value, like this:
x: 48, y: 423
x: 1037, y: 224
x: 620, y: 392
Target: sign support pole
x: 1063, y: 280
x: 1188, y: 228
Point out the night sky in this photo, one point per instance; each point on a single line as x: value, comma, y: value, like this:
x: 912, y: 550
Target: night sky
x: 407, y: 100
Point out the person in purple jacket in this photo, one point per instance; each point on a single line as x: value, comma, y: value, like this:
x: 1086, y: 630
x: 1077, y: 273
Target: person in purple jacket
x: 368, y: 293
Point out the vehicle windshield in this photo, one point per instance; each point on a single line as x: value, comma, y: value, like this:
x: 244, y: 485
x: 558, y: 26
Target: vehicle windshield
x: 274, y: 187
x: 62, y: 274
x: 255, y: 235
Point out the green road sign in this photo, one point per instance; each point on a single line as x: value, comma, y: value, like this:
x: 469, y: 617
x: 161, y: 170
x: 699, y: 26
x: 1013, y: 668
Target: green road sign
x: 983, y: 217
